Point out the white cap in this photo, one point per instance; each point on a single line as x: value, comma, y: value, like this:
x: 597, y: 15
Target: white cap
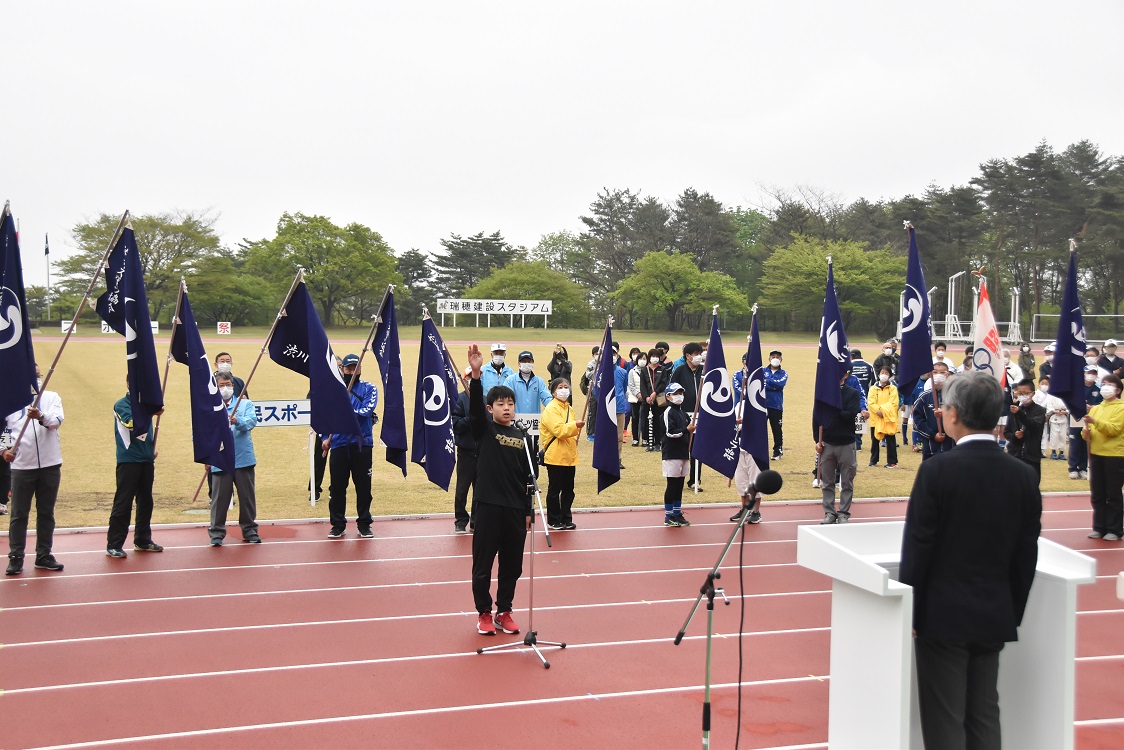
x: 499, y: 347
x: 1110, y: 342
x: 1049, y: 348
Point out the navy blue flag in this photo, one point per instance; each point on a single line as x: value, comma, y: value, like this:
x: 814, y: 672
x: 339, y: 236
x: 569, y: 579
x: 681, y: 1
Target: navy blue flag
x: 124, y: 307
x: 210, y: 426
x: 834, y: 357
x: 606, y: 450
x: 17, y: 358
x: 300, y: 344
x: 715, y: 441
x: 917, y: 324
x: 1067, y: 380
x: 433, y: 409
x: 389, y: 356
x: 754, y: 437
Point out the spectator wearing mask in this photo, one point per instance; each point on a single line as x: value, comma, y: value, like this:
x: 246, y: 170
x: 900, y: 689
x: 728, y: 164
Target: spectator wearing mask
x: 1057, y: 421
x: 1104, y: 432
x: 496, y: 371
x: 653, y: 381
x: 928, y: 417
x: 1108, y: 361
x: 634, y: 401
x: 886, y: 359
x: 1047, y: 368
x: 883, y: 403
x: 775, y: 381
x: 560, y: 365
x: 559, y: 433
x: 1092, y: 357
x: 1078, y: 448
x: 243, y: 419
x: 1015, y: 373
x: 1024, y: 427
x: 1027, y: 362
x: 224, y: 364
x: 940, y: 353
x: 620, y: 400
x: 531, y: 392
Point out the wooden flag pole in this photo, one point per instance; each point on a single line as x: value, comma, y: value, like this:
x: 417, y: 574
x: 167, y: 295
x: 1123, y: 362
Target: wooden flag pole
x: 70, y: 328
x: 600, y: 353
x: 168, y: 361
x: 694, y: 418
x: 370, y: 337
x: 280, y: 314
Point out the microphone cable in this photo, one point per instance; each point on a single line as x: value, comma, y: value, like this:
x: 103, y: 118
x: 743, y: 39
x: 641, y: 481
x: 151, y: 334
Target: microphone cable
x: 741, y: 629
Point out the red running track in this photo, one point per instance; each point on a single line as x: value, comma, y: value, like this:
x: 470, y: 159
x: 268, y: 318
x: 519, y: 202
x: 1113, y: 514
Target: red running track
x: 308, y: 642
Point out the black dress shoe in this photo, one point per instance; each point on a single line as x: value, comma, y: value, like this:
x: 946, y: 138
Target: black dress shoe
x: 48, y: 562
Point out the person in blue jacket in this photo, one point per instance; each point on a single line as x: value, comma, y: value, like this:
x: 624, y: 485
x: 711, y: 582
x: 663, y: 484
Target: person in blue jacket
x: 136, y: 457
x: 243, y: 419
x: 350, y: 457
x: 531, y: 393
x: 495, y: 372
x: 775, y: 381
x: 620, y: 396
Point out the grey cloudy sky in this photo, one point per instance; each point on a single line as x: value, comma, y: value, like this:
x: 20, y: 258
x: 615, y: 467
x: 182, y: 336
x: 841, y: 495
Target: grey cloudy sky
x: 423, y: 118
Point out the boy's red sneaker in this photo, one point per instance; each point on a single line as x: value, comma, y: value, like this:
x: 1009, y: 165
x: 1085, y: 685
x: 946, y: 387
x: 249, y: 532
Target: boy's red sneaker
x: 484, y: 624
x: 505, y: 623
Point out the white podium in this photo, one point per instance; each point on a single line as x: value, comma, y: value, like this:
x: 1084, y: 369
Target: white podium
x: 872, y: 694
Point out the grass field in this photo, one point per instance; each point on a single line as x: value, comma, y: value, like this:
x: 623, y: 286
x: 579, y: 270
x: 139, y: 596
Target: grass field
x: 90, y: 377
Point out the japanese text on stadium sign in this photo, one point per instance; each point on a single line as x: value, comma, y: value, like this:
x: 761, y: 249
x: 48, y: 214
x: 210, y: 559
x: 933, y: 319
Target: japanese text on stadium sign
x: 292, y: 413
x: 496, y: 306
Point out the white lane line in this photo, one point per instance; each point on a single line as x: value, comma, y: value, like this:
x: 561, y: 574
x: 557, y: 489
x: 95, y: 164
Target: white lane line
x: 431, y: 712
x: 355, y: 620
x: 1098, y: 722
x: 365, y: 587
x: 384, y: 660
x: 1107, y: 657
x: 61, y: 579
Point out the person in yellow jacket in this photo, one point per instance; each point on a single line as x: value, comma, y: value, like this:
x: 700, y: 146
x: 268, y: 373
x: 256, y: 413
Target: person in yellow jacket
x: 1104, y: 431
x: 558, y: 435
x: 883, y: 402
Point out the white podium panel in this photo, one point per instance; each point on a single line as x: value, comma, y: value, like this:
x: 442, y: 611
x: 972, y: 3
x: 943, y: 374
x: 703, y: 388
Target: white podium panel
x: 872, y: 693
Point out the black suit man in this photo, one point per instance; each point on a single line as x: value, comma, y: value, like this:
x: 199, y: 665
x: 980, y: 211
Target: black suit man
x: 969, y: 551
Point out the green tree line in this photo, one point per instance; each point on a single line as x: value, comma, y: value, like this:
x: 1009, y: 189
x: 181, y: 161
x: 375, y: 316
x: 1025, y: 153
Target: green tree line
x: 663, y: 265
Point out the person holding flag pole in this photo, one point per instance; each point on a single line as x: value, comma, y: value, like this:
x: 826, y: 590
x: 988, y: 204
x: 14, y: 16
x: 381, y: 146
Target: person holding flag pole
x: 753, y: 432
x: 715, y: 440
x: 437, y: 391
x: 987, y: 348
x: 606, y: 446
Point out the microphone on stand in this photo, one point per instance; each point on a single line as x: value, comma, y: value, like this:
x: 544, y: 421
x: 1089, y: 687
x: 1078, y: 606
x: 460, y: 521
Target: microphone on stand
x: 768, y: 482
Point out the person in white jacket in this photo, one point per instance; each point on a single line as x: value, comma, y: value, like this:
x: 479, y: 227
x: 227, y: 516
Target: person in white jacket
x: 1056, y: 434
x: 36, y: 472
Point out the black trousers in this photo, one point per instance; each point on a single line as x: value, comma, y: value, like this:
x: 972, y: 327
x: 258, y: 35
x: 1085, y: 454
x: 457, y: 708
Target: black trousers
x: 319, y: 465
x: 776, y: 423
x: 5, y: 481
x: 891, y: 450
x: 134, y: 483
x: 466, y: 480
x: 499, y: 531
x: 637, y: 432
x: 1106, y: 476
x: 43, y: 485
x: 350, y: 462
x: 560, y: 494
x: 957, y: 694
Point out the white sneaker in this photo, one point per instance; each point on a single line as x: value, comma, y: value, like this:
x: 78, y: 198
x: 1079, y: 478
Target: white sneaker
x: 1074, y: 475
x: 816, y: 484
x: 1084, y: 474
x: 1111, y: 538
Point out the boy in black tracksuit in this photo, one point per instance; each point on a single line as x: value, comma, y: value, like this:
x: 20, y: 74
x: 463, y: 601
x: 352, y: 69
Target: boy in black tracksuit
x: 502, y: 501
x: 676, y: 455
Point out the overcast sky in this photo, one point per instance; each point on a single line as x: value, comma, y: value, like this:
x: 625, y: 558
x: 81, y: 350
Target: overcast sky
x: 420, y: 119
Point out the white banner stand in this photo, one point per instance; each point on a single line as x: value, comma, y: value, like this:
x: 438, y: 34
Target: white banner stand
x: 872, y: 695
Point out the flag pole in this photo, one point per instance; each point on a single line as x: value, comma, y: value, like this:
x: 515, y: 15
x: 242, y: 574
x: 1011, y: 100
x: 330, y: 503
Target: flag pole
x: 745, y: 381
x: 47, y: 255
x: 694, y: 417
x: 601, y: 352
x: 70, y: 328
x: 371, y: 335
x: 168, y: 361
x: 269, y: 337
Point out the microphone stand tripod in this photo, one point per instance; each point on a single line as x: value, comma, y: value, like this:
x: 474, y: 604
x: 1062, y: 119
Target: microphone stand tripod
x: 709, y: 590
x: 531, y: 637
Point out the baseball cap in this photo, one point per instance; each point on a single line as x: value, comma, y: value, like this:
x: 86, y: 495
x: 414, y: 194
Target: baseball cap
x: 1110, y: 342
x: 673, y: 388
x: 499, y: 347
x: 526, y: 355
x: 1090, y: 368
x: 468, y: 372
x: 1049, y: 348
x: 350, y: 359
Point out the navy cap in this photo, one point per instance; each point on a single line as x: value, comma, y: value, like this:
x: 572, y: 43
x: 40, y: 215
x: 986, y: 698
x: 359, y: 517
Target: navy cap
x: 526, y: 355
x: 351, y: 359
x: 673, y: 388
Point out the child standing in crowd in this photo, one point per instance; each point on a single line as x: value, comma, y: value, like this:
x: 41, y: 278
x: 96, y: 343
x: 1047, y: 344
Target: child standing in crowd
x: 676, y: 455
x: 883, y: 404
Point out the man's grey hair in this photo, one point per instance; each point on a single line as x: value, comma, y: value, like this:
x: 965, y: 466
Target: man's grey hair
x: 978, y: 399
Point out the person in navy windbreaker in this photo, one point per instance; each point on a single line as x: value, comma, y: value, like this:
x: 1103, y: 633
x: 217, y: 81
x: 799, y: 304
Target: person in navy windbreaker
x: 351, y: 457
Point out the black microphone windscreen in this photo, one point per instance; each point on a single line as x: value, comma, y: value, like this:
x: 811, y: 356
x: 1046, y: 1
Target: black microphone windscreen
x: 768, y: 482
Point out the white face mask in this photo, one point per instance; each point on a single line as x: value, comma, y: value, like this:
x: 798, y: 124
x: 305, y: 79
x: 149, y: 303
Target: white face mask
x: 1089, y: 380
x: 940, y: 353
x: 775, y: 362
x: 1026, y: 350
x: 562, y: 394
x: 676, y: 399
x: 883, y: 378
x: 227, y: 392
x: 526, y: 367
x: 655, y: 360
x: 1045, y: 387
x: 1108, y: 391
x: 1049, y: 357
x: 1090, y: 360
x: 497, y: 359
x: 697, y: 359
x: 1006, y: 358
x: 938, y: 379
x: 1024, y: 399
x: 634, y: 357
x: 887, y: 351
x: 642, y: 362
x: 223, y: 367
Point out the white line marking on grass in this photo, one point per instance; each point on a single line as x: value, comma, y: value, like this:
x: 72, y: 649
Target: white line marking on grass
x: 384, y: 660
x: 355, y: 620
x: 427, y: 712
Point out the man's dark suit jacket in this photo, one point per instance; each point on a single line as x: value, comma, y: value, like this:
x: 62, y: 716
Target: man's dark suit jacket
x: 970, y: 544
